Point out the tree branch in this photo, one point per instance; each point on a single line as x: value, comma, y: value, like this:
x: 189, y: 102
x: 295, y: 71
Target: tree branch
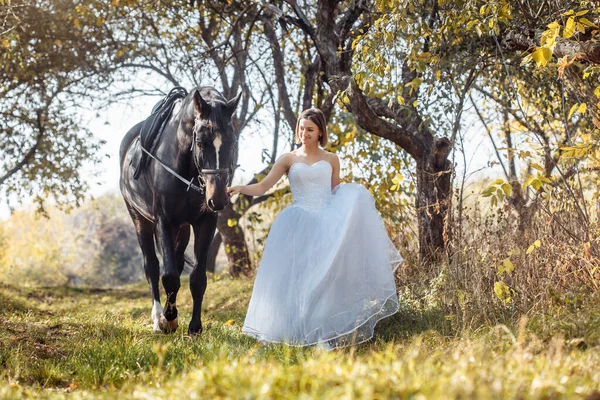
x: 528, y: 40
x: 30, y: 153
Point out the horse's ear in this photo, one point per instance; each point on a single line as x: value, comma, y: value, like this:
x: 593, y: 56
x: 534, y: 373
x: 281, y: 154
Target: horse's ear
x: 200, y: 105
x: 233, y: 103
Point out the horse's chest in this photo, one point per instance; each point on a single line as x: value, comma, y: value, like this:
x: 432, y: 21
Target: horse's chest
x: 183, y: 207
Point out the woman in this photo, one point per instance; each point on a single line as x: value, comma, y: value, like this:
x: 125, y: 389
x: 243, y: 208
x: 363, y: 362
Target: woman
x: 326, y: 274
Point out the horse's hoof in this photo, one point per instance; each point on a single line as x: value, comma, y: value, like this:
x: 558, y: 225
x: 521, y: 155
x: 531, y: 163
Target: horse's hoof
x: 195, y: 329
x: 195, y: 334
x: 167, y: 326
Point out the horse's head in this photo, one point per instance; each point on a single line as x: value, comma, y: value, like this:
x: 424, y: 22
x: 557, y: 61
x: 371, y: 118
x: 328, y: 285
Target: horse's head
x: 214, y: 144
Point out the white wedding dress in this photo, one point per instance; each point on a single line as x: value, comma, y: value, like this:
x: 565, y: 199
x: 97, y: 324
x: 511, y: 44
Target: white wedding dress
x: 326, y: 274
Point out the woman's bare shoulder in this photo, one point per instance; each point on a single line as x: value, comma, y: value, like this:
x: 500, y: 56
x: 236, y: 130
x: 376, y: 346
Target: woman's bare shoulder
x: 290, y: 155
x: 331, y: 157
x: 286, y: 159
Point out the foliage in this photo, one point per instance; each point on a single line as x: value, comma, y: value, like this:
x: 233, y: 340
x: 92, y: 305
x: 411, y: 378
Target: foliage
x: 94, y: 245
x: 51, y: 66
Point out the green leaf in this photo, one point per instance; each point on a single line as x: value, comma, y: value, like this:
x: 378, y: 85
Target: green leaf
x: 500, y: 194
x: 488, y: 192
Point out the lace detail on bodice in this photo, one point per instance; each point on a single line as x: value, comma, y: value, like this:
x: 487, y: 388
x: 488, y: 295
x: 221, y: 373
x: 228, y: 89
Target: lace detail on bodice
x: 310, y: 184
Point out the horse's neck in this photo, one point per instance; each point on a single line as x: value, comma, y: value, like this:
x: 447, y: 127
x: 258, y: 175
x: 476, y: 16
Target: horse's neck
x: 178, y: 147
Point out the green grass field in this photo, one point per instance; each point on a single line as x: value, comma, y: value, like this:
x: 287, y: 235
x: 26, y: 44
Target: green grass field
x: 94, y: 343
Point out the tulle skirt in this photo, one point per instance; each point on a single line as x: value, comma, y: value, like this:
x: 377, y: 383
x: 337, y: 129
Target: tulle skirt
x: 326, y: 274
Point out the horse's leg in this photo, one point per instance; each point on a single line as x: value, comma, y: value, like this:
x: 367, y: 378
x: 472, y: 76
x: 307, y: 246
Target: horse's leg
x: 204, y: 231
x: 164, y: 232
x: 181, y: 241
x: 145, y: 234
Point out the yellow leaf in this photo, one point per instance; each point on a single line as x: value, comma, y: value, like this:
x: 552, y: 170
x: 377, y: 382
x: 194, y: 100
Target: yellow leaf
x: 554, y: 25
x: 580, y: 13
x: 76, y: 23
x: 587, y: 22
x: 572, y: 110
x: 541, y: 56
x: 537, y: 166
x: 508, y: 265
x: 597, y: 92
x: 503, y: 292
x: 231, y: 222
x: 537, y: 243
x: 569, y: 28
x: 530, y: 249
x: 229, y: 322
x: 582, y: 108
x: 526, y: 59
x: 58, y: 42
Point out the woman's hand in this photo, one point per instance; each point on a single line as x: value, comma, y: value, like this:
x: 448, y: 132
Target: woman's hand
x: 233, y: 190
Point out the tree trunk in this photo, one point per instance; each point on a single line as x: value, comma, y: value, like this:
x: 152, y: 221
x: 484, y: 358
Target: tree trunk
x: 234, y: 241
x: 433, y: 194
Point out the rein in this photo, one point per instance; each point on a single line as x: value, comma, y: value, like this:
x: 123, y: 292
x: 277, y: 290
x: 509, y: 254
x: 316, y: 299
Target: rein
x: 202, y: 184
x: 190, y: 184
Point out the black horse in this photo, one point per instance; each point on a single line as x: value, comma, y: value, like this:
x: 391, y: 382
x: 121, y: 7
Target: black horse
x: 199, y: 144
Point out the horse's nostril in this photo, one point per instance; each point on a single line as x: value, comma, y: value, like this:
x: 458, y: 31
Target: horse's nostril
x: 211, y: 204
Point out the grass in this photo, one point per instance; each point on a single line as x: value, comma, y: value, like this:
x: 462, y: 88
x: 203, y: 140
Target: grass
x: 63, y: 342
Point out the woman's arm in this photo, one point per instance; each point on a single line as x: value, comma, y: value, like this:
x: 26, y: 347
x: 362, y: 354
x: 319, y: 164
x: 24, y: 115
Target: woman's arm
x: 281, y: 165
x: 335, y: 175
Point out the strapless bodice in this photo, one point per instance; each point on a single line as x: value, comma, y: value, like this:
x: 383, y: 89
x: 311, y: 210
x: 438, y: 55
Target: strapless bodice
x: 310, y: 184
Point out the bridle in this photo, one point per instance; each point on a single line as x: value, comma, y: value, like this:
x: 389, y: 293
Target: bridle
x: 202, y: 172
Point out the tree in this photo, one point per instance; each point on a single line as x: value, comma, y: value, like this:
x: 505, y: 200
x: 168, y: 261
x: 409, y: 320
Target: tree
x: 51, y: 66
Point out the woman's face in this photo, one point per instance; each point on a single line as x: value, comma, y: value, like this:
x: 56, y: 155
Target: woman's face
x: 308, y: 132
